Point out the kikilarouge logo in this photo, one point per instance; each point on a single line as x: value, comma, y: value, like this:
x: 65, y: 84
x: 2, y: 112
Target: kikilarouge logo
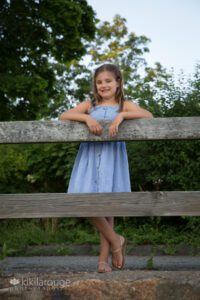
x: 38, y: 283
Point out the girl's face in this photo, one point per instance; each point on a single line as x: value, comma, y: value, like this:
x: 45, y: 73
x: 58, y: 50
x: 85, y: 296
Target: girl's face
x: 106, y: 85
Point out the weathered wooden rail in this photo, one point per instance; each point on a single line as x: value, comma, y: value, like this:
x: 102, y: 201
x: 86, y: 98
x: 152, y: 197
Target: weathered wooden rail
x: 100, y: 204
x: 58, y: 131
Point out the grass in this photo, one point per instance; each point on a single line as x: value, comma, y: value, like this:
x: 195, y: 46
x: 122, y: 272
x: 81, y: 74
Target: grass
x: 17, y: 235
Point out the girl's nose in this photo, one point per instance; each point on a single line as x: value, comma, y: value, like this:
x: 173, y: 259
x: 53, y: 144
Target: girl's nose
x: 104, y: 84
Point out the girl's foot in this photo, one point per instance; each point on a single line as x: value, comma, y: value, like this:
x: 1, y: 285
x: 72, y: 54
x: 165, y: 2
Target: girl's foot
x: 103, y: 267
x: 119, y: 253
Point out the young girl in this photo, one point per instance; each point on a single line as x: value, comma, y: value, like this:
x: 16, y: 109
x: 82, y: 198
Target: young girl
x: 103, y: 166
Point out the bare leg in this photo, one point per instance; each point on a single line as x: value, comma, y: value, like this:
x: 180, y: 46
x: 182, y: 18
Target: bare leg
x: 110, y: 235
x: 104, y: 244
x: 105, y: 249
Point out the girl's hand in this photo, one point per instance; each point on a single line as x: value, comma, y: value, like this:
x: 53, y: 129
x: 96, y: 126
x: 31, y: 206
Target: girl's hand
x: 93, y: 126
x: 113, y: 129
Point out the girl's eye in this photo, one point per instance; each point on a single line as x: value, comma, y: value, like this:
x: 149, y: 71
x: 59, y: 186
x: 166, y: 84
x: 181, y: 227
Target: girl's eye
x: 107, y: 81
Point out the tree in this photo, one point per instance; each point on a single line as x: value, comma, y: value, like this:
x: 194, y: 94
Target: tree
x: 170, y: 165
x: 112, y: 44
x: 149, y: 86
x: 35, y: 36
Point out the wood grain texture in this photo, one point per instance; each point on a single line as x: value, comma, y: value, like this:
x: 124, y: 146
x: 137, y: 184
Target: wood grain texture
x: 71, y: 131
x: 100, y: 204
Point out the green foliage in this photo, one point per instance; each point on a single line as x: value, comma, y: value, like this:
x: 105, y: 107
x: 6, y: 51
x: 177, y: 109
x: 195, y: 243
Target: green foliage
x: 5, y: 251
x: 160, y: 231
x: 50, y: 166
x: 168, y: 165
x: 150, y: 263
x: 13, y: 168
x: 36, y: 168
x: 164, y: 165
x: 113, y: 44
x: 35, y: 37
x: 31, y: 232
x: 170, y: 232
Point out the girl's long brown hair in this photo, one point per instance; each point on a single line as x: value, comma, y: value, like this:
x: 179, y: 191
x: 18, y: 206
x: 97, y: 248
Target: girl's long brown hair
x: 118, y: 77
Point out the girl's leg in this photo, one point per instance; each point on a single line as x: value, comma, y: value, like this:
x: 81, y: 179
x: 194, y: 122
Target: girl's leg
x: 112, y: 237
x: 104, y: 250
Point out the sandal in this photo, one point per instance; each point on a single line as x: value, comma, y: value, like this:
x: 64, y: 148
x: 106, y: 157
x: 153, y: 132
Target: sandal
x: 123, y: 243
x: 103, y: 267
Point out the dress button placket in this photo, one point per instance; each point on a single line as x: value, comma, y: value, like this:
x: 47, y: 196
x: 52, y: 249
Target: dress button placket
x: 99, y: 154
x: 105, y: 112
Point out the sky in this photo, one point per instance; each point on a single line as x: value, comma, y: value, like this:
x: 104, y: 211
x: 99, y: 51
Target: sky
x: 173, y: 26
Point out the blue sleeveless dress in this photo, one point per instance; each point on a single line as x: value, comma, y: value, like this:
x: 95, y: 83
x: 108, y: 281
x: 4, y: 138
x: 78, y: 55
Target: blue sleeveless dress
x: 101, y: 167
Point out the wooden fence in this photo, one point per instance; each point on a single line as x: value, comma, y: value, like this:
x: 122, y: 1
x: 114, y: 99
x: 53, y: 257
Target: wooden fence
x: 38, y: 205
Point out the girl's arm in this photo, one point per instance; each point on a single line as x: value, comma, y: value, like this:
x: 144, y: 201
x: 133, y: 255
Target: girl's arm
x: 80, y: 113
x: 130, y: 111
x: 133, y: 111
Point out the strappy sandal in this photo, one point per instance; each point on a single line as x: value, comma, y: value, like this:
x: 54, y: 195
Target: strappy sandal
x: 123, y: 243
x: 103, y: 267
